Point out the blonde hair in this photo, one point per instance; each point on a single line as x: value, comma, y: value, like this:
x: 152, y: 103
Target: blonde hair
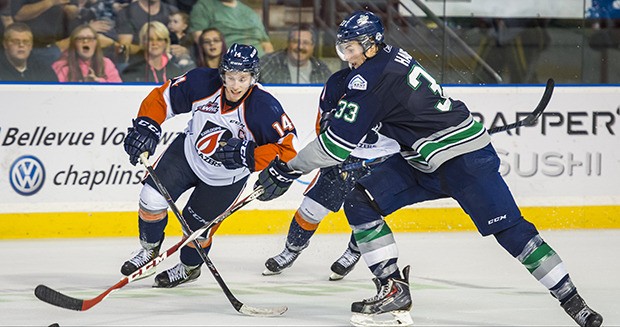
x: 159, y: 29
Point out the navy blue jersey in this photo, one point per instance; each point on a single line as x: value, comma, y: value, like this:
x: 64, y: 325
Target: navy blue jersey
x: 334, y: 90
x: 393, y: 90
x: 373, y: 144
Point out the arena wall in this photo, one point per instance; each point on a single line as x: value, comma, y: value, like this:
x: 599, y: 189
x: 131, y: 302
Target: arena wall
x: 64, y: 173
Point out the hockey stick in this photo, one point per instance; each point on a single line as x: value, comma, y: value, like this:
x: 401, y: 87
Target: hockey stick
x: 364, y: 163
x: 58, y: 299
x: 529, y: 120
x: 238, y: 305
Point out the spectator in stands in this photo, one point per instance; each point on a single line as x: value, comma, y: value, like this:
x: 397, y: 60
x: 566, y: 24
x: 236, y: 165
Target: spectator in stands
x: 48, y: 20
x: 295, y: 64
x: 211, y: 49
x: 84, y: 61
x: 16, y: 64
x: 238, y: 22
x: 181, y: 42
x: 154, y: 64
x: 130, y: 19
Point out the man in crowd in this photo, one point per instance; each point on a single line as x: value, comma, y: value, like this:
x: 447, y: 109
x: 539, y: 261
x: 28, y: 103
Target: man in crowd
x: 295, y: 64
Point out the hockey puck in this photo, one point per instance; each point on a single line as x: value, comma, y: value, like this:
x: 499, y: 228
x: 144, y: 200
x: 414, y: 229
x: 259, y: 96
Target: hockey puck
x: 54, y: 325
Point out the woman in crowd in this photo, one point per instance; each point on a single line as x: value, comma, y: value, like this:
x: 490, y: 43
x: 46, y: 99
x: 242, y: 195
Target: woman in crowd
x: 211, y: 48
x: 84, y: 60
x: 154, y: 64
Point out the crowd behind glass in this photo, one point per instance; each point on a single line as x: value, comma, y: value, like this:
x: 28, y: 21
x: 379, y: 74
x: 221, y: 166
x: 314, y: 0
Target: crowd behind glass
x: 118, y: 41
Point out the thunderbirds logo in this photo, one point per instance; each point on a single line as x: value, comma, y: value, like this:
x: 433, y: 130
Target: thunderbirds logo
x: 362, y: 20
x: 27, y: 175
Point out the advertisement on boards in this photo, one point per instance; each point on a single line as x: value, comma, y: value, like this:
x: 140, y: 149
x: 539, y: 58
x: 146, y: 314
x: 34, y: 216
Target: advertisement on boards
x: 62, y: 145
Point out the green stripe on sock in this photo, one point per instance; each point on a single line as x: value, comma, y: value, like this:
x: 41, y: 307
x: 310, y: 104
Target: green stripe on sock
x: 533, y: 260
x: 365, y: 236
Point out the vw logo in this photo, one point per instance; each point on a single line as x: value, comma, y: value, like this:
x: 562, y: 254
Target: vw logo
x: 27, y: 175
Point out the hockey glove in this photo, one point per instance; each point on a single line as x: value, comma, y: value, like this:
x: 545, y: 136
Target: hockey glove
x: 275, y: 179
x: 141, y: 137
x: 326, y: 118
x: 236, y: 153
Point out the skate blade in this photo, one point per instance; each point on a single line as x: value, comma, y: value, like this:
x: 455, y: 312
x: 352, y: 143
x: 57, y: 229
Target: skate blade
x: 334, y: 276
x: 155, y: 285
x: 392, y: 318
x: 268, y: 272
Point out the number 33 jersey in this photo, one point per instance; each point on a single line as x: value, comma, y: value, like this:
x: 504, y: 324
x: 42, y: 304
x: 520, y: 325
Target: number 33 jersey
x: 393, y: 90
x: 257, y: 117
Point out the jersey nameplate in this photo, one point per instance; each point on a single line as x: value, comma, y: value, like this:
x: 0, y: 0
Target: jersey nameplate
x: 358, y: 83
x: 403, y: 57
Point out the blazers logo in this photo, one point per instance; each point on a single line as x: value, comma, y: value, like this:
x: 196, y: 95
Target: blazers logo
x: 209, y: 138
x: 358, y: 83
x: 27, y: 175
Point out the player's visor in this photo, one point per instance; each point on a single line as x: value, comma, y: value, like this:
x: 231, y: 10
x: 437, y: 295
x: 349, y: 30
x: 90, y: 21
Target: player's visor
x: 349, y: 49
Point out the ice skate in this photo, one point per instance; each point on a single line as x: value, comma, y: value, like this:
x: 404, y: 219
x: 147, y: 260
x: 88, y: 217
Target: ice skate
x: 577, y: 309
x: 276, y: 264
x: 345, y: 264
x: 141, y: 258
x: 390, y: 307
x: 177, y: 275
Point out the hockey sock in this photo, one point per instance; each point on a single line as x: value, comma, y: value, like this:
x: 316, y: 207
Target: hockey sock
x: 375, y: 239
x: 190, y: 257
x: 299, y: 233
x: 547, y: 267
x: 353, y: 244
x: 523, y: 242
x: 152, y: 232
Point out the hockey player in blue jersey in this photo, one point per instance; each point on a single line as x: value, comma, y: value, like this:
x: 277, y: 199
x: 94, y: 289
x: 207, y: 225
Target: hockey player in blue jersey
x: 236, y: 128
x: 327, y: 191
x: 446, y: 154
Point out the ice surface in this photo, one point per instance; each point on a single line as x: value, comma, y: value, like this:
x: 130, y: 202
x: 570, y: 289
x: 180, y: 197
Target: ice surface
x: 457, y: 279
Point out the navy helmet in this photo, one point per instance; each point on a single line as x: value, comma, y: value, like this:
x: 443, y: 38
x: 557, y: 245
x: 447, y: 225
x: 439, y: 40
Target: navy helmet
x: 241, y: 58
x: 362, y: 26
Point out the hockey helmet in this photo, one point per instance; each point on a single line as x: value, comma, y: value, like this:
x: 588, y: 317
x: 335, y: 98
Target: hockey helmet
x: 241, y: 58
x: 362, y: 26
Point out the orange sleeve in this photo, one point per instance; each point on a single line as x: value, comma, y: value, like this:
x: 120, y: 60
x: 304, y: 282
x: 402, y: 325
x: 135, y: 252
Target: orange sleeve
x: 154, y: 105
x: 318, y: 123
x: 264, y: 154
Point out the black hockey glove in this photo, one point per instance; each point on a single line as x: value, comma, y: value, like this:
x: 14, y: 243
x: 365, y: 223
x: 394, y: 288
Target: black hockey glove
x: 236, y: 153
x: 142, y: 137
x: 275, y: 179
x: 326, y: 118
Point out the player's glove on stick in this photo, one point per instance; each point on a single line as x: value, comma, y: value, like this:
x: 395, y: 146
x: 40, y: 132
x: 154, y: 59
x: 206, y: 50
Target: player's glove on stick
x: 141, y: 137
x: 275, y: 179
x: 236, y: 153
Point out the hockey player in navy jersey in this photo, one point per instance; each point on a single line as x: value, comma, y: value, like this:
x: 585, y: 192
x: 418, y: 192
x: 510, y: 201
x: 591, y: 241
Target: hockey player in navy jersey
x: 235, y: 128
x: 327, y: 191
x: 446, y: 154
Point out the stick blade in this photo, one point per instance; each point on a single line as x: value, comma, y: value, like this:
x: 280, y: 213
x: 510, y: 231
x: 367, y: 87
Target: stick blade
x: 544, y: 101
x: 58, y: 299
x: 262, y: 312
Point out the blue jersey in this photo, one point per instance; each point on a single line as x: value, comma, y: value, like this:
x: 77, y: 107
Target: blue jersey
x: 394, y: 91
x: 373, y: 145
